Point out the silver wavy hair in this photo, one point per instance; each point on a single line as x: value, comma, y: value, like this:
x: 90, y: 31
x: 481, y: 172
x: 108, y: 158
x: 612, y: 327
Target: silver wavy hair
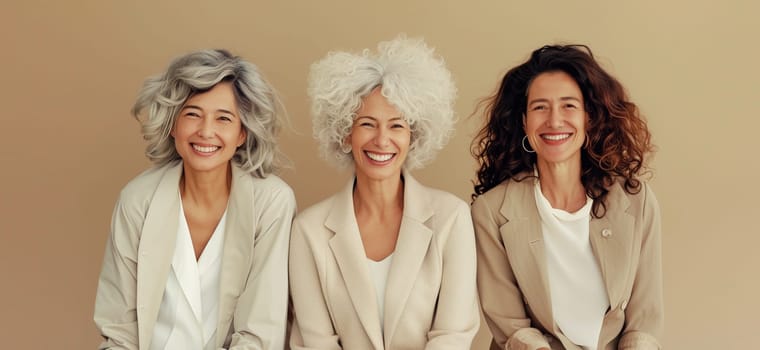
x: 163, y: 95
x: 411, y: 77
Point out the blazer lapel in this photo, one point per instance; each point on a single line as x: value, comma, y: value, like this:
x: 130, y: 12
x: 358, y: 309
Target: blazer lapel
x: 411, y: 248
x: 348, y: 250
x: 236, y: 252
x: 157, y: 241
x: 612, y: 242
x: 524, y: 243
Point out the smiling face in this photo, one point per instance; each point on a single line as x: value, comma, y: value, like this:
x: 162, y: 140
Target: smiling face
x: 379, y: 139
x: 555, y: 121
x: 208, y: 130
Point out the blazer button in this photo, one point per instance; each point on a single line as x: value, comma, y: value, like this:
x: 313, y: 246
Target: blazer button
x: 606, y: 233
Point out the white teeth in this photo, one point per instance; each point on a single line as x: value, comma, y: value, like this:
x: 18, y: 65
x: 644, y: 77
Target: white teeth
x: 206, y: 149
x: 556, y: 137
x: 379, y: 157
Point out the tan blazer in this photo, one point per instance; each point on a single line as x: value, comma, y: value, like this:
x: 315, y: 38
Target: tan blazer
x: 430, y: 297
x: 512, y: 274
x: 139, y: 250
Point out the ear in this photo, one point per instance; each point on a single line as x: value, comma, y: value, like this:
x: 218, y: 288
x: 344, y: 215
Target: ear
x: 241, y: 138
x: 523, y: 121
x: 345, y: 146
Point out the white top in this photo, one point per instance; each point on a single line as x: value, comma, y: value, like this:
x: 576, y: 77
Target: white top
x: 189, y: 311
x: 378, y: 271
x: 578, y: 295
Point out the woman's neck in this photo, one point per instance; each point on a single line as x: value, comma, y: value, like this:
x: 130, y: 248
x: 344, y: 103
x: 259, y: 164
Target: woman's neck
x: 561, y: 185
x: 206, y: 189
x: 378, y: 198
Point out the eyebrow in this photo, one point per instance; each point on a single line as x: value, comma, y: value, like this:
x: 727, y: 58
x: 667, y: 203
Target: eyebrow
x: 566, y: 98
x: 375, y: 119
x: 201, y: 109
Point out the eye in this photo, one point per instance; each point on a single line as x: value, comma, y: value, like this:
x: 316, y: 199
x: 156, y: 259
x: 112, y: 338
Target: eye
x: 192, y: 115
x: 398, y: 126
x: 539, y: 108
x: 225, y: 118
x: 570, y: 106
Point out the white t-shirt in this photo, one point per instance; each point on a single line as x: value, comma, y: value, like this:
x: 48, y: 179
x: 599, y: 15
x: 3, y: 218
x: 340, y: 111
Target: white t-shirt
x: 578, y: 295
x: 378, y: 271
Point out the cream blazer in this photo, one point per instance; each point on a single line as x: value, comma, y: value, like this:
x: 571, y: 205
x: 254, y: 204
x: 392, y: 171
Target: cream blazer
x: 512, y: 274
x: 430, y: 297
x: 253, y: 290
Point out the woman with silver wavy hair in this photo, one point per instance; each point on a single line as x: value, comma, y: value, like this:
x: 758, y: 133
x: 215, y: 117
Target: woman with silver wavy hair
x: 197, y: 255
x: 385, y: 263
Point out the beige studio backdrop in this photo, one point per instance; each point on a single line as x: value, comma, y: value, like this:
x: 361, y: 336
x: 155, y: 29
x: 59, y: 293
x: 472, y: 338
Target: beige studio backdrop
x: 71, y: 69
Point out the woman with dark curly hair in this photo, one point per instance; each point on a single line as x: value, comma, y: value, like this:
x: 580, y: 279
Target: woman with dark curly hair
x: 568, y: 236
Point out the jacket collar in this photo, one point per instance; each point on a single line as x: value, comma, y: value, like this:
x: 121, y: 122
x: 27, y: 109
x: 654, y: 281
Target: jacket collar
x: 158, y: 239
x: 237, y: 252
x: 155, y: 251
x: 611, y: 241
x: 411, y: 247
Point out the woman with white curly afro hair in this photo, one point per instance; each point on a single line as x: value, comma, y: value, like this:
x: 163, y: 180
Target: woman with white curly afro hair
x: 408, y: 75
x: 385, y: 263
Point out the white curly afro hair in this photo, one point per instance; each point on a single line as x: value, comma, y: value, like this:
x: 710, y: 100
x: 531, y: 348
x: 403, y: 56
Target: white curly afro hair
x: 410, y: 76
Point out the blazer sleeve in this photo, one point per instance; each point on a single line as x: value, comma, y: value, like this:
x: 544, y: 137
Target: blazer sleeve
x: 115, y: 313
x: 500, y: 295
x: 312, y: 324
x: 260, y: 318
x: 644, y: 316
x: 457, y: 318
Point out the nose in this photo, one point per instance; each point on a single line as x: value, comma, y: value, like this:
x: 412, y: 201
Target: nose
x: 555, y: 119
x: 381, y: 138
x: 206, y: 128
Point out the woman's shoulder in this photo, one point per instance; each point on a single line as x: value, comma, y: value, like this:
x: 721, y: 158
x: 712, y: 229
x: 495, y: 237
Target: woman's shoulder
x: 496, y: 195
x: 641, y: 201
x: 144, y: 185
x: 271, y: 185
x: 439, y: 197
x: 430, y: 196
x: 318, y: 210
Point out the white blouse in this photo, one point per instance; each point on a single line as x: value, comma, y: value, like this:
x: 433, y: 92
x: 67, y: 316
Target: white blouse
x: 378, y: 271
x: 578, y: 295
x: 189, y: 309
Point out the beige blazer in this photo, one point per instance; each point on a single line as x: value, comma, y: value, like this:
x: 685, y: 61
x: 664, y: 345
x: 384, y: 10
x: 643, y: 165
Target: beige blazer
x: 253, y: 296
x: 512, y: 274
x: 430, y: 297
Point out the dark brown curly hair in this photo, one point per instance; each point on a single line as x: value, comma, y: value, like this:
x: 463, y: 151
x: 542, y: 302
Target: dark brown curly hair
x: 617, y: 142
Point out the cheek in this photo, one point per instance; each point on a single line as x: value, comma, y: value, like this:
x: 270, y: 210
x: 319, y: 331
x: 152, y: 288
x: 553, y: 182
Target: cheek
x: 530, y: 125
x: 179, y: 128
x: 582, y: 123
x: 403, y: 140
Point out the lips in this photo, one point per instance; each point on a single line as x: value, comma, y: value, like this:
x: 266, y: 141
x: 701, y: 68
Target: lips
x: 205, y: 149
x: 556, y: 137
x: 379, y: 157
